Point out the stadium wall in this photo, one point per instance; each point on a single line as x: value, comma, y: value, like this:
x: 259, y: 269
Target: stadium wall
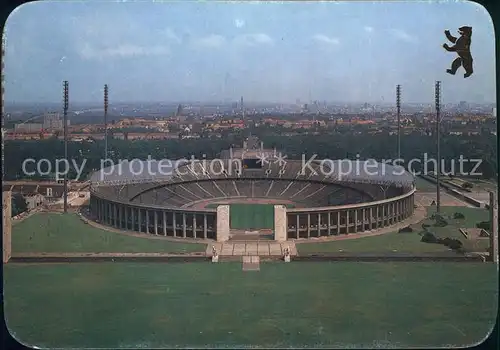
x: 300, y: 223
x: 177, y: 223
x: 357, y: 218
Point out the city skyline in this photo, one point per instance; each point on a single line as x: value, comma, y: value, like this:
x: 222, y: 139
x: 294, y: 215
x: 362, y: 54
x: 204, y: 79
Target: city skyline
x: 215, y: 51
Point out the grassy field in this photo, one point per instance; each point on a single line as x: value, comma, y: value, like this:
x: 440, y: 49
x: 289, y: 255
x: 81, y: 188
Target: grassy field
x: 54, y: 232
x: 116, y: 305
x: 472, y: 217
x: 408, y: 242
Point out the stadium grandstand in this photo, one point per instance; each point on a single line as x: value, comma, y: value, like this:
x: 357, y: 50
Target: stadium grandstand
x: 186, y: 198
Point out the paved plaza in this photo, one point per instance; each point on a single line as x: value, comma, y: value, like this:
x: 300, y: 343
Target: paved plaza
x: 425, y: 199
x: 251, y: 248
x: 481, y: 196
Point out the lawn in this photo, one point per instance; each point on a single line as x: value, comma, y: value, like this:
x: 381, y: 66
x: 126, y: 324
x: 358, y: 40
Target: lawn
x: 390, y: 242
x: 115, y: 305
x: 408, y: 242
x: 472, y: 217
x: 54, y: 232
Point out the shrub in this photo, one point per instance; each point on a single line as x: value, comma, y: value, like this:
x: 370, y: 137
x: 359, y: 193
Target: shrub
x: 467, y: 185
x: 429, y: 237
x: 405, y: 229
x: 485, y: 225
x: 440, y: 221
x: 458, y: 216
x: 454, y: 244
x: 446, y: 241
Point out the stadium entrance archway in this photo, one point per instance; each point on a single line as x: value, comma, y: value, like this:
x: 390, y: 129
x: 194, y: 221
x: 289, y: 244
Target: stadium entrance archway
x: 245, y: 216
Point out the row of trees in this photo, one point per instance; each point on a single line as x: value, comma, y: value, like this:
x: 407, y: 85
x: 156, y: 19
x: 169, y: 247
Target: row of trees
x: 324, y: 146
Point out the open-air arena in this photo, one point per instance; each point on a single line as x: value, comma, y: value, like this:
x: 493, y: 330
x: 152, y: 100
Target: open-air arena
x: 268, y: 200
x: 267, y: 255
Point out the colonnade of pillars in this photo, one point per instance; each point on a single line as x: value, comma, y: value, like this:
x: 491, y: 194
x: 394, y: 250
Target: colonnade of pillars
x: 163, y: 222
x: 343, y: 221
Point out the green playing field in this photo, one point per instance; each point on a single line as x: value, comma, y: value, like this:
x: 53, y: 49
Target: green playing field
x: 251, y: 216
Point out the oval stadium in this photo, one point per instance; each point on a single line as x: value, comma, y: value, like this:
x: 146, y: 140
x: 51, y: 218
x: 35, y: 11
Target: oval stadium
x: 251, y: 193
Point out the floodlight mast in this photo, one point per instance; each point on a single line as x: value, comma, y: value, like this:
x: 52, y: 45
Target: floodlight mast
x: 106, y: 121
x: 438, y: 135
x: 65, y: 128
x: 398, y: 108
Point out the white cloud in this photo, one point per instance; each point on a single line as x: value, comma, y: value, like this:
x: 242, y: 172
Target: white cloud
x: 325, y: 39
x: 368, y: 29
x: 239, y: 23
x: 402, y: 35
x: 254, y: 39
x: 213, y: 40
x: 89, y: 52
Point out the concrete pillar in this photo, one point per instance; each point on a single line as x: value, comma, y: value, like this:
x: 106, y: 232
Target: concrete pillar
x: 7, y: 226
x: 139, y: 220
x: 355, y: 220
x: 164, y: 222
x: 329, y: 223
x: 319, y: 224
x: 280, y: 224
x: 184, y: 224
x: 297, y: 219
x: 494, y: 227
x: 156, y: 222
x: 194, y: 225
x: 347, y: 222
x: 390, y: 212
x: 205, y: 226
x: 308, y: 225
x: 147, y: 222
x: 124, y: 217
x: 174, y: 223
x: 338, y: 222
x: 384, y: 211
x: 115, y: 215
x: 363, y: 215
x: 222, y: 223
x: 370, y: 218
x: 119, y: 215
x: 132, y: 215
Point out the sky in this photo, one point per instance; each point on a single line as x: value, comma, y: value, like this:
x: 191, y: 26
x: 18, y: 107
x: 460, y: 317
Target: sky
x: 266, y: 52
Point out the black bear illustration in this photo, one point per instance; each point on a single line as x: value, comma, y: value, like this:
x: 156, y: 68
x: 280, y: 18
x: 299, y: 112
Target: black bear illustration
x: 462, y: 48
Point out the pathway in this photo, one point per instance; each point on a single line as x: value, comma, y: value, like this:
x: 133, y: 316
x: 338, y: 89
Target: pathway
x: 251, y: 248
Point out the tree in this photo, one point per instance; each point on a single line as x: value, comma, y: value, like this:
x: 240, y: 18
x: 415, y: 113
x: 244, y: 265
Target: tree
x: 18, y: 204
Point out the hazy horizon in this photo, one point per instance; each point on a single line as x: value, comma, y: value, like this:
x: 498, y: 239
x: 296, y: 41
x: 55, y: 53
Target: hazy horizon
x: 212, y: 52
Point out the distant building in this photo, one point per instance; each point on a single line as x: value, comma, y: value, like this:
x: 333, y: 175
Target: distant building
x: 494, y: 112
x: 53, y: 121
x: 28, y: 127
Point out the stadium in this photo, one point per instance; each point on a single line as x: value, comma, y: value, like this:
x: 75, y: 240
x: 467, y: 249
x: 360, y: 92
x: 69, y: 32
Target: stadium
x: 251, y: 193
